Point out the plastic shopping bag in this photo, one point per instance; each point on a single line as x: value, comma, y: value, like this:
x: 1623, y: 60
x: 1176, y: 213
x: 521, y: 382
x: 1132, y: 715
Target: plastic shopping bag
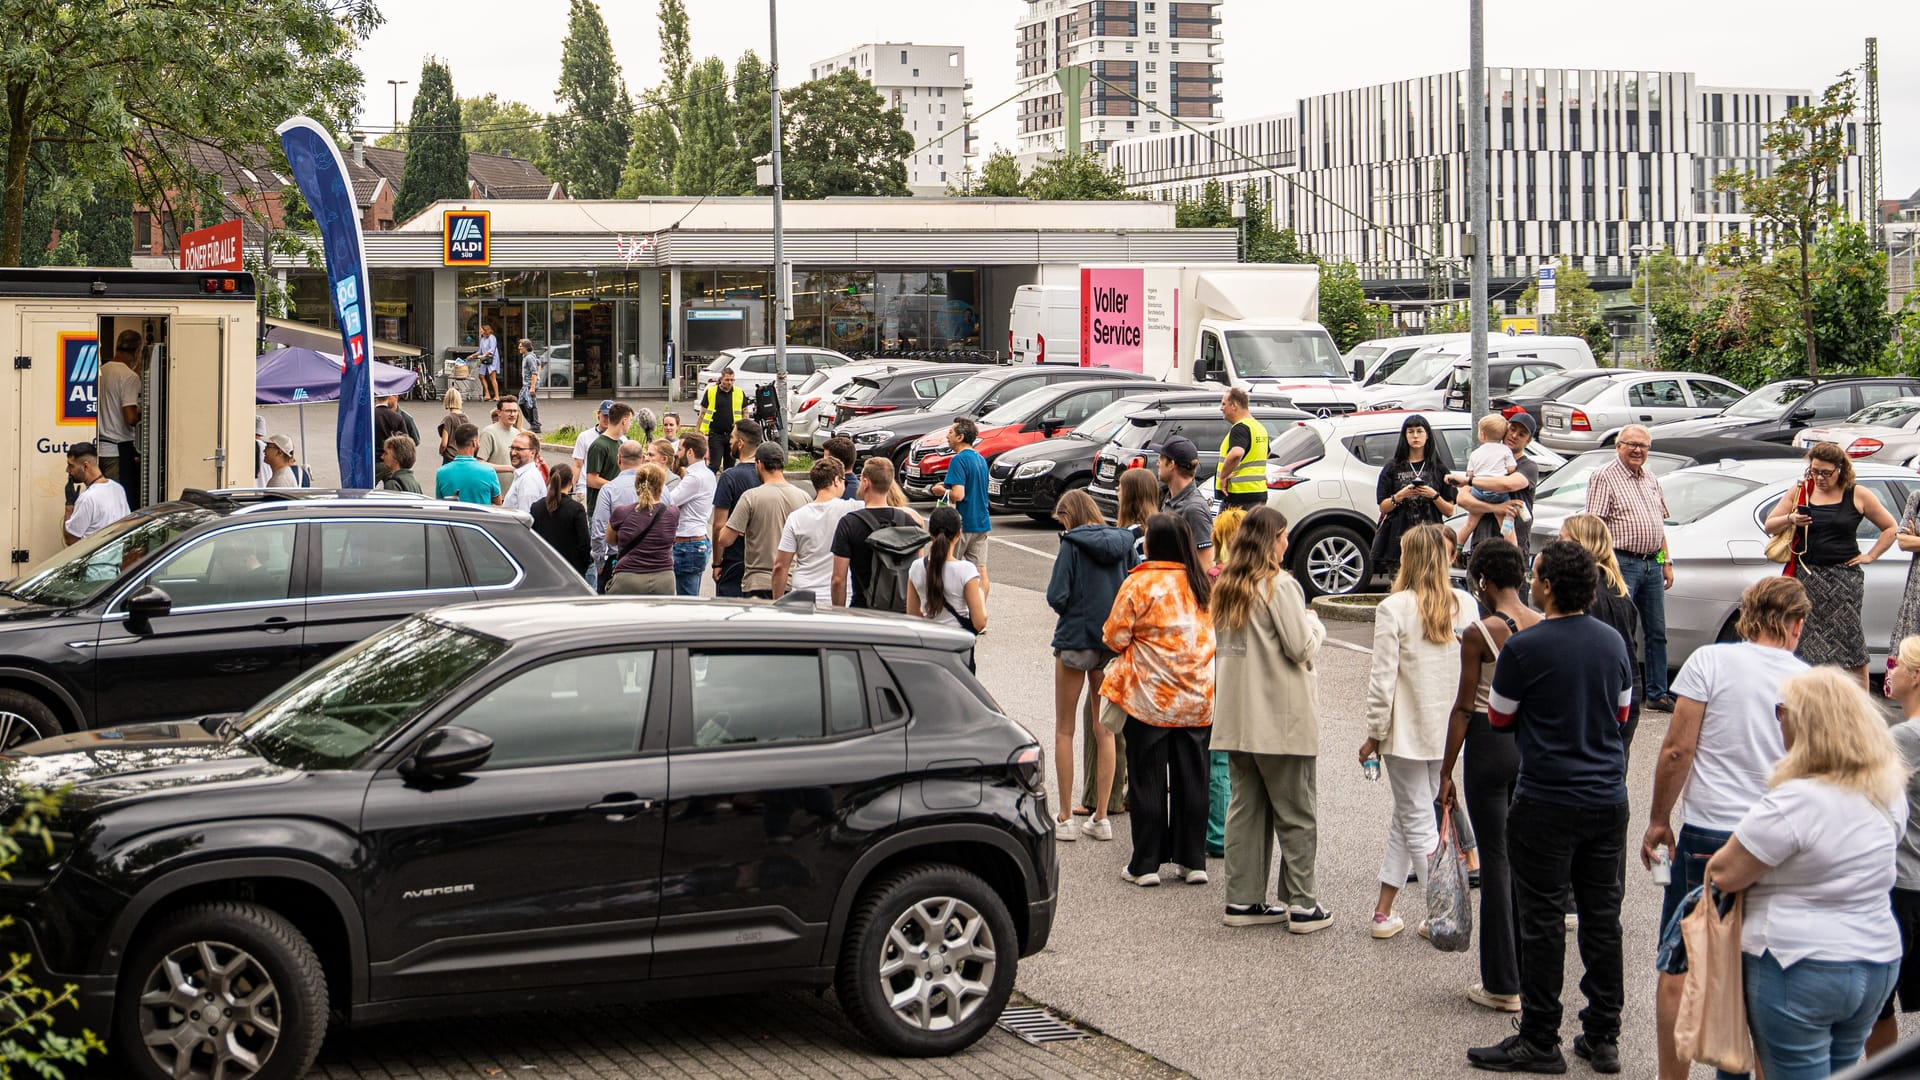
x: 1449, y: 899
x: 1712, y: 1025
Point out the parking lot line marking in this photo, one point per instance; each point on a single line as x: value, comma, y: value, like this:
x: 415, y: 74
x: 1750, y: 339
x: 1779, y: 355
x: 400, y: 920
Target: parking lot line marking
x: 1022, y: 547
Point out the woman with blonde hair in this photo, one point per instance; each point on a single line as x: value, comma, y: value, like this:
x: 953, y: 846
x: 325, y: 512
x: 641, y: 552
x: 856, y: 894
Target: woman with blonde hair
x: 1611, y: 604
x: 1094, y: 560
x: 1139, y: 499
x: 1825, y: 513
x: 454, y: 418
x: 661, y: 452
x: 1219, y: 782
x: 1266, y: 723
x: 1816, y: 858
x: 642, y: 535
x: 1903, y: 685
x: 1410, y: 692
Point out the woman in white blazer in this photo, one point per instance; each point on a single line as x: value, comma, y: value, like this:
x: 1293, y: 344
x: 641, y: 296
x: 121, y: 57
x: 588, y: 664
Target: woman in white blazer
x: 1416, y: 669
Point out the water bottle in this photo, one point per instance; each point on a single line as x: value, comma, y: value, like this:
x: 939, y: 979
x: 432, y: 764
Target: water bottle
x: 1506, y: 526
x: 1370, y: 768
x: 1662, y: 865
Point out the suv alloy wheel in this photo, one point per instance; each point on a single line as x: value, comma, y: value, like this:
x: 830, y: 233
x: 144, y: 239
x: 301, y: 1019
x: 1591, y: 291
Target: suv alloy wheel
x: 24, y: 719
x: 929, y: 961
x: 221, y: 989
x: 1333, y: 560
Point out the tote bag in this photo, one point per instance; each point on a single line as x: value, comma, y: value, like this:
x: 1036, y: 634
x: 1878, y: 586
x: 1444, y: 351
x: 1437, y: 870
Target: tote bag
x: 1712, y: 1024
x: 1449, y: 899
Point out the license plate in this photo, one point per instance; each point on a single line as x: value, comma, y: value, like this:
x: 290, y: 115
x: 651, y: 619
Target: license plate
x: 993, y: 487
x: 913, y: 470
x: 1108, y: 470
x: 1556, y: 421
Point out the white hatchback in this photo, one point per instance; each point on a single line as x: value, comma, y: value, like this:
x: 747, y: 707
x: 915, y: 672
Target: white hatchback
x: 811, y: 402
x: 754, y: 365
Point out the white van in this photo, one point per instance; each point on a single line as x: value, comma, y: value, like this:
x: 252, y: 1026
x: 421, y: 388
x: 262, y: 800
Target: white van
x: 1372, y: 361
x: 1044, y: 325
x: 1423, y: 382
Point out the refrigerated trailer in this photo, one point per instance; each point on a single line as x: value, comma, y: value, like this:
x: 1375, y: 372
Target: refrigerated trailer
x: 58, y: 325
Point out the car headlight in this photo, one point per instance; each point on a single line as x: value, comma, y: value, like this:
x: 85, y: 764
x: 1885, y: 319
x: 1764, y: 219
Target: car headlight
x: 1032, y: 469
x: 871, y: 438
x: 1391, y: 403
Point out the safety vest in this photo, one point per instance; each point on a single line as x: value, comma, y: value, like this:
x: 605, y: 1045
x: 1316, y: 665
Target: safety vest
x: 713, y: 397
x: 1251, y: 476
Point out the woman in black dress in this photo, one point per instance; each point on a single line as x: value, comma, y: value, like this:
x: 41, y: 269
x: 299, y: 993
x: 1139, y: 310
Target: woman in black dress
x: 1412, y: 490
x: 1826, y: 512
x: 561, y: 521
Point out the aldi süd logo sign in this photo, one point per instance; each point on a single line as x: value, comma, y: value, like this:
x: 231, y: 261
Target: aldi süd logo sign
x: 79, y: 377
x: 468, y: 237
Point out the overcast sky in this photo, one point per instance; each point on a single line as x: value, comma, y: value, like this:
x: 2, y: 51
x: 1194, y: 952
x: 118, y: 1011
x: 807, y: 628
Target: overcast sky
x: 1276, y: 50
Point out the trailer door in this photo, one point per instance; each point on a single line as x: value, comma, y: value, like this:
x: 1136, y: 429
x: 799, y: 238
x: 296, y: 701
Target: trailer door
x: 50, y: 405
x: 196, y: 415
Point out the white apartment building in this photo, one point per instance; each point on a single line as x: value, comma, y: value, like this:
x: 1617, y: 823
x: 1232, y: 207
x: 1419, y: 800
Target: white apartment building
x: 1587, y: 164
x: 1162, y: 52
x: 928, y: 86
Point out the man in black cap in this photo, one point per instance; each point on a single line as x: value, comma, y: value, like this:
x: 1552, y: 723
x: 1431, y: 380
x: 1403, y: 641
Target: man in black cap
x: 1520, y: 432
x: 1180, y: 495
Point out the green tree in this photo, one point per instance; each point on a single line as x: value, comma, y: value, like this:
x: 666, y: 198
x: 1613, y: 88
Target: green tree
x: 707, y: 150
x: 492, y: 125
x: 436, y: 163
x: 1850, y: 319
x: 1458, y: 319
x: 676, y: 45
x: 997, y: 178
x: 1668, y: 276
x: 752, y: 123
x: 1796, y: 199
x: 124, y: 85
x: 842, y: 139
x: 1076, y: 176
x: 588, y: 146
x: 1903, y: 346
x: 1576, y: 308
x: 1210, y: 211
x: 650, y: 153
x: 1344, y: 309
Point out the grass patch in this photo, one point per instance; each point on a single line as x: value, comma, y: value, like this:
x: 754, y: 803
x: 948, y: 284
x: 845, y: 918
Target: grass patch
x: 567, y: 435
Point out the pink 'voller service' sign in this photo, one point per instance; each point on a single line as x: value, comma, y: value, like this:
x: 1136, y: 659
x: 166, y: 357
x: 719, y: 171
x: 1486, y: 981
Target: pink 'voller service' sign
x: 1112, y: 302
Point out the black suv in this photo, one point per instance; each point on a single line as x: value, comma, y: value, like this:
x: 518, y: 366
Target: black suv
x: 532, y: 803
x: 1136, y: 444
x: 210, y: 603
x: 1777, y: 411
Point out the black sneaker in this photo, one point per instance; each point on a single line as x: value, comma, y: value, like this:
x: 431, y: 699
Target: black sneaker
x: 1302, y: 921
x: 1253, y: 915
x: 1515, y: 1054
x: 1603, y: 1053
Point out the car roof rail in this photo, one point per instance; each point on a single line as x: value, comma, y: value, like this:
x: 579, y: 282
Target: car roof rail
x: 798, y: 600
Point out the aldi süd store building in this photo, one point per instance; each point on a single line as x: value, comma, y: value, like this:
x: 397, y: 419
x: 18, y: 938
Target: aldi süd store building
x: 614, y: 292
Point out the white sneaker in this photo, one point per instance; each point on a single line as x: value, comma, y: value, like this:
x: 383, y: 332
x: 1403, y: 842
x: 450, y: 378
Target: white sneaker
x: 1146, y: 881
x: 1101, y: 829
x: 1480, y: 995
x: 1066, y: 831
x: 1386, y: 926
x: 1191, y: 877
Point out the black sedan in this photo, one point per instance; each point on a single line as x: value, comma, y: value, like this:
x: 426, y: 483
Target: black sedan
x: 209, y: 603
x: 1777, y: 411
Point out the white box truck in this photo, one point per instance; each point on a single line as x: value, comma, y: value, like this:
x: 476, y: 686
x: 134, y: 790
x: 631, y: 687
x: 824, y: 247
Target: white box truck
x: 1044, y: 325
x: 1236, y: 324
x: 197, y: 332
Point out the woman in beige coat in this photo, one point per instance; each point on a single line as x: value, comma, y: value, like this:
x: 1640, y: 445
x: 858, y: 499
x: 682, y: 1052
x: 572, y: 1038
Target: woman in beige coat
x: 1416, y: 669
x: 1266, y: 719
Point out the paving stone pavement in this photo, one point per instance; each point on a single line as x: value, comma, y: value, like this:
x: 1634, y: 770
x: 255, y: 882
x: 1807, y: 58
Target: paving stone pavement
x: 791, y: 1036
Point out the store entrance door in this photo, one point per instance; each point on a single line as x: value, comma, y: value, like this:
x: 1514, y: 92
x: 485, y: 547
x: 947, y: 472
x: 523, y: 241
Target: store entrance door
x: 593, y: 349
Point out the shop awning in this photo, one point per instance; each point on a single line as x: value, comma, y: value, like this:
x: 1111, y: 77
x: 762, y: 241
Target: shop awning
x: 309, y: 336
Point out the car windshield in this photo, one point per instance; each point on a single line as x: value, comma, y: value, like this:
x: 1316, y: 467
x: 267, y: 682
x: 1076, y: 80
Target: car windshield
x: 1893, y: 413
x: 1285, y: 354
x: 1568, y: 485
x: 861, y: 390
x: 1365, y: 355
x: 1020, y: 409
x: 1423, y: 368
x: 331, y: 716
x: 970, y: 392
x: 76, y: 574
x: 1771, y: 401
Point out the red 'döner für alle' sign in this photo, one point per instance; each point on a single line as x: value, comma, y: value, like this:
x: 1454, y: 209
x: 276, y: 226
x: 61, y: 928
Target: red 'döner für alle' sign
x: 215, y: 248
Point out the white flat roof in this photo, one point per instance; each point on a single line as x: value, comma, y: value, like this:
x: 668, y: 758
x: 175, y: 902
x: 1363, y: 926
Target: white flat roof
x: 752, y: 213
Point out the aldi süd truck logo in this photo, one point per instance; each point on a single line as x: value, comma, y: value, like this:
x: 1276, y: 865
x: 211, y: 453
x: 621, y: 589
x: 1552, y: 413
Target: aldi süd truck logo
x: 468, y: 237
x: 79, y: 377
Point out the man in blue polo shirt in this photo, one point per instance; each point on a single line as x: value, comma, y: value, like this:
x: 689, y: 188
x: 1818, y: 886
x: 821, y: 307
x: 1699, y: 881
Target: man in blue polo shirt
x: 466, y: 478
x: 1562, y: 688
x: 966, y: 488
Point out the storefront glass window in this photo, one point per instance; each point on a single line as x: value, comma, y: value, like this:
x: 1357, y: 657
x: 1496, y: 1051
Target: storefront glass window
x: 528, y: 283
x: 483, y: 284
x: 833, y: 308
x: 393, y: 306
x: 723, y: 310
x: 572, y: 285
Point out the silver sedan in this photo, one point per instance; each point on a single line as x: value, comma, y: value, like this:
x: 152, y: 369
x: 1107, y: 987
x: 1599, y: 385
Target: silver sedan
x: 1590, y: 414
x: 1887, y: 431
x: 1714, y: 536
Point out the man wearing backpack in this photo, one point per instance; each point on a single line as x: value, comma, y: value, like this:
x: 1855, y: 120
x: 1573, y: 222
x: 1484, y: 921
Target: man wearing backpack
x: 866, y: 576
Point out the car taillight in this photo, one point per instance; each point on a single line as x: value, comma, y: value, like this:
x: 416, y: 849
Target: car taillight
x: 1009, y: 343
x: 1042, y: 339
x: 1284, y: 482
x: 1578, y: 421
x: 1864, y: 447
x: 808, y: 404
x: 1029, y: 764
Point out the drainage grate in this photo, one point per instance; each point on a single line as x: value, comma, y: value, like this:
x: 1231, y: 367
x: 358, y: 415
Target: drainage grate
x: 1038, y: 1026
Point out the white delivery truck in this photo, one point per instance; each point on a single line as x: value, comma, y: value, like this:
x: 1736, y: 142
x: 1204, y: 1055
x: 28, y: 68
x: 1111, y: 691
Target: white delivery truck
x: 1238, y: 324
x: 1044, y: 325
x: 197, y: 332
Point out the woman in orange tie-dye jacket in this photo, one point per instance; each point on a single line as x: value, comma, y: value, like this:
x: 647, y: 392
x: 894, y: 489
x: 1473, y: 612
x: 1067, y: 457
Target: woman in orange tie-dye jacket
x: 1163, y: 680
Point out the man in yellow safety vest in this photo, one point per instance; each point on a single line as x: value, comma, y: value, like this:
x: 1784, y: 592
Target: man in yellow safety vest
x: 1242, y: 479
x: 721, y: 406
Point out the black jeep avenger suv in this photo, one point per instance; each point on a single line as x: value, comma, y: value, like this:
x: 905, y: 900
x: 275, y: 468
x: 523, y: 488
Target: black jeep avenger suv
x: 524, y: 803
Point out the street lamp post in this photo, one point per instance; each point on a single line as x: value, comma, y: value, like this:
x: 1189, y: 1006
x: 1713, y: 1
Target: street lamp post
x: 1240, y: 221
x: 396, y: 84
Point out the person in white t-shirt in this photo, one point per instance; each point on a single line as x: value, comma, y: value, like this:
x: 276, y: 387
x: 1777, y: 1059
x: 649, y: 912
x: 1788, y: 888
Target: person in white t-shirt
x: 1816, y: 859
x: 585, y: 442
x: 805, y: 559
x: 961, y: 590
x: 1719, y: 751
x: 117, y: 411
x: 529, y: 486
x: 101, y: 501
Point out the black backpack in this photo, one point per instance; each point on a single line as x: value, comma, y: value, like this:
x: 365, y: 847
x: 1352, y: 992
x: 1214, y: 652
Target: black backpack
x: 892, y: 550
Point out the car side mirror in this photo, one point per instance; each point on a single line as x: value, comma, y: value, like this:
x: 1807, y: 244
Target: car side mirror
x: 146, y: 605
x: 1051, y: 425
x: 447, y: 753
x: 1801, y: 416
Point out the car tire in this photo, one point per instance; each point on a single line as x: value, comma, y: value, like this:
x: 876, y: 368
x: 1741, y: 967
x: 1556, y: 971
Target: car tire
x: 25, y: 718
x: 228, y: 953
x: 1333, y: 560
x: 873, y: 971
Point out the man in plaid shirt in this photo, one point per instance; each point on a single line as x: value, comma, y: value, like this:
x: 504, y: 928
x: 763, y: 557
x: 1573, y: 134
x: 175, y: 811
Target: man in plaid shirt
x: 1628, y: 498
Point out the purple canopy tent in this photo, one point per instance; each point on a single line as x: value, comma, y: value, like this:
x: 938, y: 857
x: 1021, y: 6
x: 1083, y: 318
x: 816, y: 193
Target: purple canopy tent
x: 295, y: 376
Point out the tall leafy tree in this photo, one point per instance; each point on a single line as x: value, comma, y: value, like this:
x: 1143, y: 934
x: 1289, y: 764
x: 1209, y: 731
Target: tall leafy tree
x: 124, y: 85
x: 1797, y: 198
x: 650, y: 155
x: 752, y: 122
x: 676, y: 45
x: 436, y: 165
x: 1075, y: 176
x: 1000, y: 176
x: 493, y: 125
x: 1851, y: 322
x: 1210, y: 211
x: 587, y: 146
x: 1344, y: 308
x: 842, y: 139
x: 708, y: 151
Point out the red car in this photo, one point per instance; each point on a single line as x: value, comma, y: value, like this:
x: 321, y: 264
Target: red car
x: 1039, y: 414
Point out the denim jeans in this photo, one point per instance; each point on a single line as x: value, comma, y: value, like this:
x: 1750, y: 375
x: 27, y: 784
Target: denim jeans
x: 1692, y: 848
x: 1811, y: 1020
x: 530, y: 409
x: 1550, y: 847
x: 1646, y: 587
x: 1219, y: 793
x: 689, y: 566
